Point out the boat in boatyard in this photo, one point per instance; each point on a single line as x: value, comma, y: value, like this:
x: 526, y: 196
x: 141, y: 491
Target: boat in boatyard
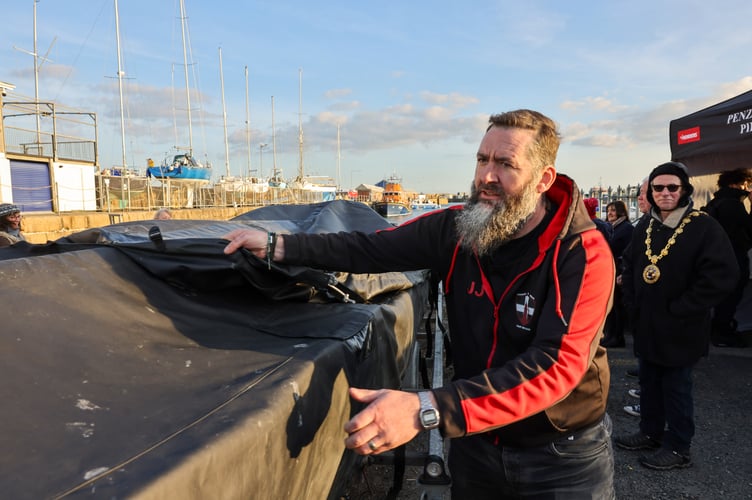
x: 276, y: 180
x: 323, y: 185
x: 123, y: 180
x: 182, y: 166
x: 243, y: 184
x: 393, y: 202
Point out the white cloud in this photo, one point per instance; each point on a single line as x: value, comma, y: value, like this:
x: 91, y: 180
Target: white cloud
x: 337, y: 93
x: 454, y: 99
x: 613, y: 125
x: 329, y: 118
x: 593, y: 104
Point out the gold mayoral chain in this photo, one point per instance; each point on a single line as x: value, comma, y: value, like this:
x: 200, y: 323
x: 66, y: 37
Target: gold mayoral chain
x: 651, y: 273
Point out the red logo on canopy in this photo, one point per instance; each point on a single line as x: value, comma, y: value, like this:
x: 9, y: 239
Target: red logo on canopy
x: 688, y: 135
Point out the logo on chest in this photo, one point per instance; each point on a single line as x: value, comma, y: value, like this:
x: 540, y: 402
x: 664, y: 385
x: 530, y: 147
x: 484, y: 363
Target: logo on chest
x: 473, y: 290
x: 525, y: 308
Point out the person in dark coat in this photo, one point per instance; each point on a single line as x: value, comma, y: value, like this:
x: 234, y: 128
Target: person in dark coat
x: 591, y: 204
x: 678, y: 266
x: 621, y: 235
x: 727, y: 207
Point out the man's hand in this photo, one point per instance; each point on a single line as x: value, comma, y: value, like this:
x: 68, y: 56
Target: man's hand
x: 389, y: 420
x: 254, y: 240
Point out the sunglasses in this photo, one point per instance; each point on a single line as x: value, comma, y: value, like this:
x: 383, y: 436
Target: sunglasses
x: 672, y: 188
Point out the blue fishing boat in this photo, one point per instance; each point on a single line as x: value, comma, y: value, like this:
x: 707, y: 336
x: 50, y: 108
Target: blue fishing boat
x: 182, y: 166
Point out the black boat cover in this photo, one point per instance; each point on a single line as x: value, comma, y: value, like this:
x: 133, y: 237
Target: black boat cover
x: 716, y: 138
x: 136, y: 360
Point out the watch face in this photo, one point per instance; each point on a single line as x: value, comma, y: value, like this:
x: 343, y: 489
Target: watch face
x: 429, y: 418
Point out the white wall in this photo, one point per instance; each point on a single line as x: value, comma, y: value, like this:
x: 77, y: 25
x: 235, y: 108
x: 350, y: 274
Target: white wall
x: 6, y: 190
x: 75, y: 186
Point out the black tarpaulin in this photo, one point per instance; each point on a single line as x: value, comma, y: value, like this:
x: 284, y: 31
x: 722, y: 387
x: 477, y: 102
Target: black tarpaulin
x: 117, y: 383
x: 716, y: 138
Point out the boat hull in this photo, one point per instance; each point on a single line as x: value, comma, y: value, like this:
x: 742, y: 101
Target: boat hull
x: 180, y: 172
x: 390, y: 208
x: 424, y: 206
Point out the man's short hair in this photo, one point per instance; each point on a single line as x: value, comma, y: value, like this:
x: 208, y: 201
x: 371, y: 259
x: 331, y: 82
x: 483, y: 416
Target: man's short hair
x: 546, y: 142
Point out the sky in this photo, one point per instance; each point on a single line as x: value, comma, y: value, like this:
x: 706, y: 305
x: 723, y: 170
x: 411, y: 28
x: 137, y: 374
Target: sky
x: 408, y: 85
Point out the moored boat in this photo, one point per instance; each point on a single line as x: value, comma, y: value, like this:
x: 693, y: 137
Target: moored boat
x: 390, y: 208
x: 392, y: 203
x: 424, y: 204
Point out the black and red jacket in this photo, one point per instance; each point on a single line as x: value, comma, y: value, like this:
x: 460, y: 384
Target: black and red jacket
x: 526, y: 350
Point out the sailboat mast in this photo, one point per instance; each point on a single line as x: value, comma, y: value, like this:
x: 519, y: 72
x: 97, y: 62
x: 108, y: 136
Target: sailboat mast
x: 274, y: 141
x: 224, y: 114
x: 185, y: 70
x: 300, y: 123
x: 37, y: 65
x: 36, y: 78
x: 120, y: 84
x: 339, y: 157
x: 247, y: 122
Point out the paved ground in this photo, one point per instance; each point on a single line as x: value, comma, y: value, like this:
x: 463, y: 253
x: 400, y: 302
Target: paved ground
x: 722, y: 449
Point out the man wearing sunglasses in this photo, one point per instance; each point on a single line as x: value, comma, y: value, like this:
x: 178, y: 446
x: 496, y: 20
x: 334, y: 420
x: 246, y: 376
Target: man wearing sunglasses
x: 678, y: 266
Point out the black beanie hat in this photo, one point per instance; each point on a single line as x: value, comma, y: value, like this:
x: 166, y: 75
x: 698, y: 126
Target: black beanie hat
x: 671, y: 168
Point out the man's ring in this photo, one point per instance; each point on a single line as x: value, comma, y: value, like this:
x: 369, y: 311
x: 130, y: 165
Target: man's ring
x: 372, y: 445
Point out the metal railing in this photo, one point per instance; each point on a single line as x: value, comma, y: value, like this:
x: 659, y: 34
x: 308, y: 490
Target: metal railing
x: 116, y: 193
x: 48, y: 130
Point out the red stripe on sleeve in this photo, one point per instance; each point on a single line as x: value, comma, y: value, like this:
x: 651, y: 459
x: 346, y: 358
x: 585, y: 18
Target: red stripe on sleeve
x: 566, y: 366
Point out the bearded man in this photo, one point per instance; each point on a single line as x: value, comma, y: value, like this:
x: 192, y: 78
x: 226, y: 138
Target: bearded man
x: 528, y: 282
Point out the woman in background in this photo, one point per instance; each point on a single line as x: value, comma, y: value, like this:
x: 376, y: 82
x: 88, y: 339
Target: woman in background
x: 10, y: 225
x: 621, y: 235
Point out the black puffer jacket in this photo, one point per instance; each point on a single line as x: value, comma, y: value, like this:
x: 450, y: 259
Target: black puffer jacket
x: 728, y: 209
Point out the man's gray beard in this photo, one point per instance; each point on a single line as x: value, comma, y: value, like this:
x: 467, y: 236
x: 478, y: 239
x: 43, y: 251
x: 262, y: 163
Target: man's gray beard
x: 484, y: 227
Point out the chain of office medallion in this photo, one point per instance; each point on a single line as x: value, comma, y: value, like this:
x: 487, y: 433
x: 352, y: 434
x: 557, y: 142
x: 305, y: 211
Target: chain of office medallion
x: 649, y: 253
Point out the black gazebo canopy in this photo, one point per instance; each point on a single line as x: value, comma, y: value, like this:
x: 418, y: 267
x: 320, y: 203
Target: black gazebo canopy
x: 716, y: 138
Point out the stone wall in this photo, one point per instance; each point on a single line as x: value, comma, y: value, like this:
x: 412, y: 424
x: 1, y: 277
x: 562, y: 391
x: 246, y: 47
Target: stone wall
x: 41, y: 228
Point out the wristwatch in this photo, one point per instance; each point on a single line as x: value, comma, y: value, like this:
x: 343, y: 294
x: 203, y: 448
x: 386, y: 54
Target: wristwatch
x: 429, y: 416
